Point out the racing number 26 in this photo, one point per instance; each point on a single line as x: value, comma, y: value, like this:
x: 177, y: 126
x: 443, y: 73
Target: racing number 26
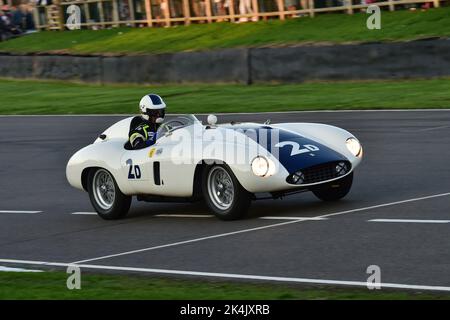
x: 134, y: 172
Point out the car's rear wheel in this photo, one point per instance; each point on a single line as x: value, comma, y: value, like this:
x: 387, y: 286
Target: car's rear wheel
x: 106, y: 197
x: 335, y: 190
x: 223, y: 194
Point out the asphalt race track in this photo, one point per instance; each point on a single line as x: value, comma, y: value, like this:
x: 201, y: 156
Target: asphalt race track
x: 404, y: 180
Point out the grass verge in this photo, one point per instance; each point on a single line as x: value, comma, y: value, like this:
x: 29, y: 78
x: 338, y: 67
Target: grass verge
x: 52, y: 285
x: 334, y: 28
x: 47, y: 97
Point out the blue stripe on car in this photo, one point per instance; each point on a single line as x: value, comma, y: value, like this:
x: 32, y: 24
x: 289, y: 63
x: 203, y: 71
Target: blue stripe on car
x: 291, y: 161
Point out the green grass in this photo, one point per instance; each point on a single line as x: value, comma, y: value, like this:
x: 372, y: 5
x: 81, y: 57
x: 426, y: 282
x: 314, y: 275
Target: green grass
x: 335, y: 28
x: 47, y: 97
x: 52, y: 285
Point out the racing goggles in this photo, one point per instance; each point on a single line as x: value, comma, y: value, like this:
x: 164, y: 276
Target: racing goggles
x: 155, y: 114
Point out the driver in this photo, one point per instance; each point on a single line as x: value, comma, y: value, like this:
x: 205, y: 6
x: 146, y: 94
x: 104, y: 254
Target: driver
x: 143, y: 128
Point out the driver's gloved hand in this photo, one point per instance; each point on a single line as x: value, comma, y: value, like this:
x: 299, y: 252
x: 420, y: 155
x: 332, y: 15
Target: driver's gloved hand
x: 137, y: 140
x: 139, y: 144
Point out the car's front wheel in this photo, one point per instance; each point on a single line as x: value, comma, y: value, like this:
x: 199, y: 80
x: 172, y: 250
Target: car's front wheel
x: 335, y: 190
x: 106, y: 197
x: 223, y: 193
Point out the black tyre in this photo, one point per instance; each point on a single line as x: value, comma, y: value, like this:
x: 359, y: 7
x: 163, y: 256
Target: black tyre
x: 335, y: 190
x: 223, y: 193
x: 106, y: 197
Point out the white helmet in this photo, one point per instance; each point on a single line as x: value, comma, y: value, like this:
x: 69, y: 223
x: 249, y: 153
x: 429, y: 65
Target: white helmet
x: 152, y: 107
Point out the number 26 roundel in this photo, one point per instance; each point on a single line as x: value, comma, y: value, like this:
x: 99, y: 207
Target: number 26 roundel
x: 134, y: 172
x: 296, y: 147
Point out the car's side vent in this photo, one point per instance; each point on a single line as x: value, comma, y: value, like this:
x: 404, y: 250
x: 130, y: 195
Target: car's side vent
x: 156, y: 173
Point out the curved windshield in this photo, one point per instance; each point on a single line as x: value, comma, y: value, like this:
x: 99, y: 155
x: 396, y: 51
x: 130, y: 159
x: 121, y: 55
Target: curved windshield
x: 174, y: 122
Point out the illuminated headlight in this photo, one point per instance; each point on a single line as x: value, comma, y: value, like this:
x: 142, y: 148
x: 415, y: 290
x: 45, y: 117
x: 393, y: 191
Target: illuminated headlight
x: 354, y: 147
x: 263, y: 167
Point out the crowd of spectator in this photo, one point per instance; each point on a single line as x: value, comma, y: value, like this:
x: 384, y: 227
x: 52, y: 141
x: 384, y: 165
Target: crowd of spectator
x: 15, y: 21
x: 162, y: 9
x: 223, y: 7
x: 17, y: 17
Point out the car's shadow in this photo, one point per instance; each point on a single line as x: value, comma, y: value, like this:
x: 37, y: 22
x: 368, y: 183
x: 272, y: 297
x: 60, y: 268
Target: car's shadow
x: 304, y: 205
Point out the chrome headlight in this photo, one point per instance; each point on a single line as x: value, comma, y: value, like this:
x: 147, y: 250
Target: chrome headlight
x: 262, y: 167
x: 354, y: 147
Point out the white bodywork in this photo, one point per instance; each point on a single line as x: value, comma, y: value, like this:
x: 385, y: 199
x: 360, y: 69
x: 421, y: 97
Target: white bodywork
x: 180, y: 151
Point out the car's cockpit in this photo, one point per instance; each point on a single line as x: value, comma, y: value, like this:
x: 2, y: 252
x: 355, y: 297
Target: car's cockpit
x: 171, y: 124
x: 176, y: 122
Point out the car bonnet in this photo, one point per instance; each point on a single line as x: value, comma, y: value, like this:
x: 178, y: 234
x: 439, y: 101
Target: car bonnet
x: 292, y: 150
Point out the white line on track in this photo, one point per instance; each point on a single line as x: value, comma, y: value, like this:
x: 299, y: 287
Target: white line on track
x: 186, y: 242
x: 386, y: 204
x: 16, y: 211
x: 84, y: 213
x: 234, y: 276
x: 409, y: 221
x: 432, y: 128
x: 257, y: 228
x: 6, y: 269
x: 426, y: 129
x: 293, y: 218
x: 184, y: 215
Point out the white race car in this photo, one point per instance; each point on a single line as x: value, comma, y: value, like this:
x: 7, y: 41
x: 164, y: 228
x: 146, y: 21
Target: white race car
x: 227, y: 165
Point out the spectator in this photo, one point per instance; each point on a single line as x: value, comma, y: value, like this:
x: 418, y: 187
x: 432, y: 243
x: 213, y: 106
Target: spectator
x: 198, y: 6
x: 176, y: 8
x: 227, y: 5
x: 292, y: 5
x: 124, y: 10
x: 22, y: 18
x: 41, y: 14
x: 156, y: 10
x: 220, y: 8
x: 268, y: 6
x: 304, y: 4
x: 164, y: 9
x: 44, y: 2
x: 7, y: 28
x: 245, y: 7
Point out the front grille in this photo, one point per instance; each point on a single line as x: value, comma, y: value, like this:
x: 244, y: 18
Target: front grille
x: 321, y: 172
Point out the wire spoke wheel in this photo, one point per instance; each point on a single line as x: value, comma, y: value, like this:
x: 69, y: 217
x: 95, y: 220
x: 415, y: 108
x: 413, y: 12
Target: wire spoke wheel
x: 220, y: 188
x: 104, y: 189
x: 106, y: 196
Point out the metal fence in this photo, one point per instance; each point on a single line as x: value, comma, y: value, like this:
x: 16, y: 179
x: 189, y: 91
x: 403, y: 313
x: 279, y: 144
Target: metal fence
x: 97, y: 14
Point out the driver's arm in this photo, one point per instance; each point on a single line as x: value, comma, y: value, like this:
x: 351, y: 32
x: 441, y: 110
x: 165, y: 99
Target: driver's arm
x: 138, y: 135
x: 137, y: 140
x: 142, y: 137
